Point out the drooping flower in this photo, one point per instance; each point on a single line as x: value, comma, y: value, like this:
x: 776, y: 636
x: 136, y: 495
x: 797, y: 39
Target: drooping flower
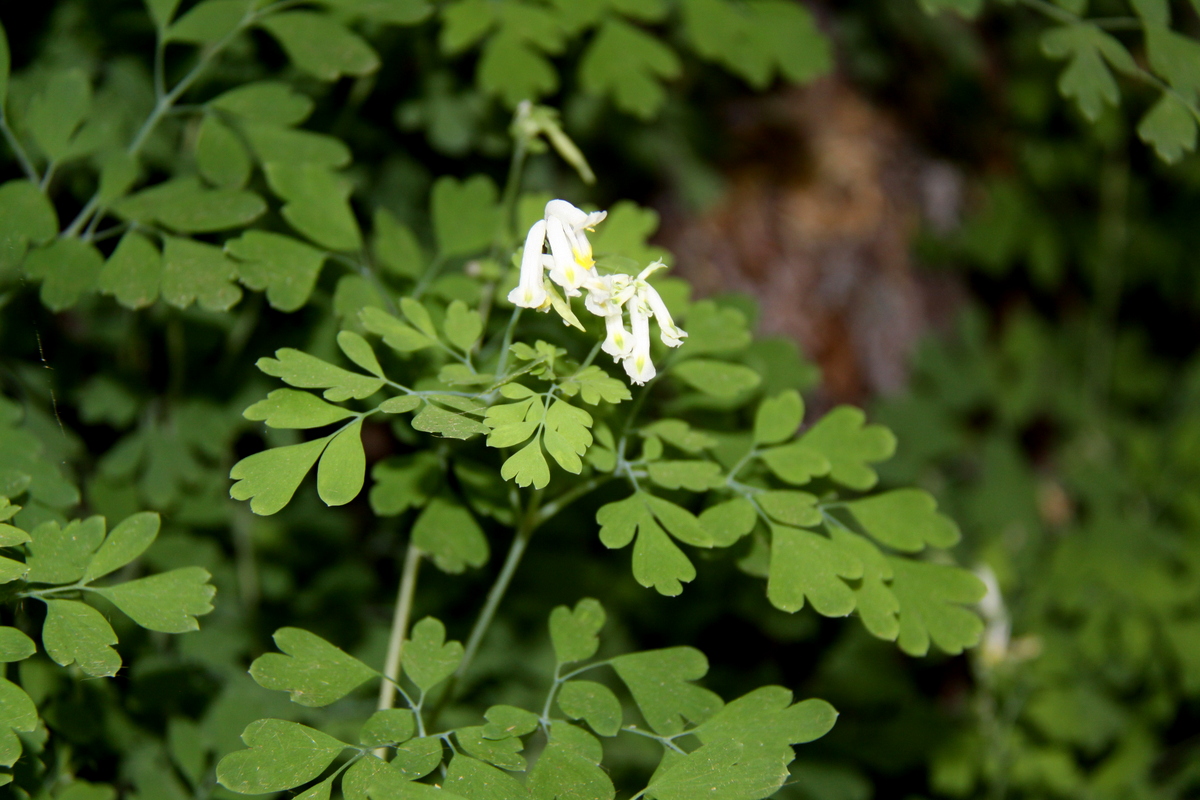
x: 638, y: 365
x: 672, y: 335
x: 575, y: 222
x: 618, y: 342
x: 568, y: 271
x: 571, y: 267
x: 531, y: 289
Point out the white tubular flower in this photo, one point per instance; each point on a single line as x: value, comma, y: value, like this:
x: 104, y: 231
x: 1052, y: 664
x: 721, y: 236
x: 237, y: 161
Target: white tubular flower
x: 567, y: 271
x: 531, y: 290
x: 618, y: 343
x: 575, y: 221
x: 638, y: 365
x: 672, y: 334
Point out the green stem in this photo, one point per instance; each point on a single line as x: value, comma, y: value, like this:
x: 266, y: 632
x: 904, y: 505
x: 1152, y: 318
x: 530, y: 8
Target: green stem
x: 14, y: 144
x: 506, y: 342
x: 571, y: 495
x: 163, y: 106
x: 506, y: 230
x: 515, y: 553
x: 403, y: 612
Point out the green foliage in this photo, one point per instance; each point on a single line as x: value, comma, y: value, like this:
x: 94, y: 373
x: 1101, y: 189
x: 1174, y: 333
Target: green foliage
x: 185, y: 210
x: 745, y: 746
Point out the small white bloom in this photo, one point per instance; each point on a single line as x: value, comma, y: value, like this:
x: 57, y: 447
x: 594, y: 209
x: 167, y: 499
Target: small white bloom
x: 531, y: 290
x: 568, y: 272
x: 638, y: 364
x: 575, y: 221
x: 618, y: 343
x: 672, y: 334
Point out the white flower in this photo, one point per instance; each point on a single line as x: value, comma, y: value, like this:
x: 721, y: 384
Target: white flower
x: 575, y: 221
x: 672, y: 335
x: 638, y: 365
x: 569, y: 271
x: 618, y: 343
x: 531, y: 290
x: 572, y: 267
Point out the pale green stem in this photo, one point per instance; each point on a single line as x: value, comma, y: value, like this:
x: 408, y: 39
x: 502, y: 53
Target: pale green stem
x: 400, y: 618
x: 163, y: 106
x: 14, y: 144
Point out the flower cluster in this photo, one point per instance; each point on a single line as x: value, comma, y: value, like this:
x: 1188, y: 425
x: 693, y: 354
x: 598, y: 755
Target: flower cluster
x: 571, y: 267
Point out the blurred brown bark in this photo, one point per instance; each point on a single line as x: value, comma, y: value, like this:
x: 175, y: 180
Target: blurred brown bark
x: 822, y: 202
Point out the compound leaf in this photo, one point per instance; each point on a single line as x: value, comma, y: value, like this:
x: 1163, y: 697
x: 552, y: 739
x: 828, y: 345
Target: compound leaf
x: 850, y: 446
x: 573, y: 631
x: 449, y: 533
x: 386, y: 726
x: 168, y: 602
x: 718, y: 379
x: 195, y: 272
x: 297, y: 368
x: 68, y: 269
x: 428, y: 658
x: 320, y: 46
x: 281, y: 755
x: 61, y: 555
x: 15, y: 645
x: 630, y: 64
x: 270, y: 478
x: 660, y: 682
x: 124, y: 543
x: 288, y: 408
x: 806, y: 564
x: 657, y: 561
x: 932, y: 599
x: 220, y: 156
x: 465, y: 214
x: 285, y: 267
x: 435, y: 419
x: 778, y: 417
x: 343, y: 466
x: 77, y: 633
x: 17, y: 713
x: 527, y: 466
x: 472, y: 778
x: 593, y: 702
x: 313, y: 671
x: 905, y: 519
x: 133, y: 273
